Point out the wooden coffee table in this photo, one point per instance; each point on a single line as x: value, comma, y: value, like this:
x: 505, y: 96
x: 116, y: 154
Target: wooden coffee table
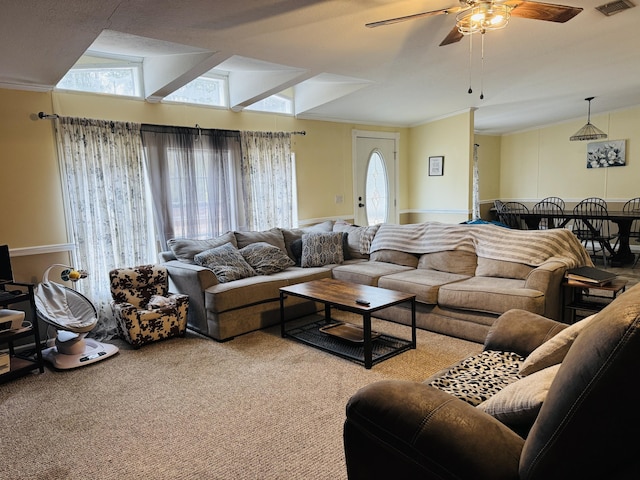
x: 346, y: 340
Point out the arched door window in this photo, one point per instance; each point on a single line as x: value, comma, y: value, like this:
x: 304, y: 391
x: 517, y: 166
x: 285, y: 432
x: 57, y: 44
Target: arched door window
x: 377, y: 189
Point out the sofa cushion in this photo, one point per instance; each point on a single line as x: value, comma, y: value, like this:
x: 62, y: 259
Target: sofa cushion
x: 492, y: 295
x: 226, y: 262
x: 517, y: 405
x: 488, y: 267
x: 243, y: 292
x: 395, y: 256
x: 479, y: 377
x: 273, y: 237
x: 259, y: 289
x: 553, y: 350
x: 265, y: 258
x: 423, y: 283
x: 321, y: 248
x: 452, y: 261
x: 367, y: 273
x: 185, y: 249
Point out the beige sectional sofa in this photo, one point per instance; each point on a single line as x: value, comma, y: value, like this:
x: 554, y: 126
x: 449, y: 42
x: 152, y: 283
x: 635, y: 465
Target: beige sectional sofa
x: 464, y: 276
x: 223, y: 310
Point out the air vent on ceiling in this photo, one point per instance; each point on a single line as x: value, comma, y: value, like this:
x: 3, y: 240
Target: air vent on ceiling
x: 612, y: 8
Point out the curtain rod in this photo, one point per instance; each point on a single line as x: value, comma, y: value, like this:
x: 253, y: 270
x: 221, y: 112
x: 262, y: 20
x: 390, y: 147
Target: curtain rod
x: 53, y: 116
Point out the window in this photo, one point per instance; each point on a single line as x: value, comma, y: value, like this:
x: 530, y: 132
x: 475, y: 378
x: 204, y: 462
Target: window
x: 113, y: 80
x: 274, y: 104
x: 204, y: 90
x: 376, y: 191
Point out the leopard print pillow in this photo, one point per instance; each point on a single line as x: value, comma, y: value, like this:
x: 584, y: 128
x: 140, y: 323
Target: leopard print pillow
x: 479, y: 377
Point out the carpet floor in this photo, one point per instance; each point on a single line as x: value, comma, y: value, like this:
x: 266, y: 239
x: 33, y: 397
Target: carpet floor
x: 256, y: 407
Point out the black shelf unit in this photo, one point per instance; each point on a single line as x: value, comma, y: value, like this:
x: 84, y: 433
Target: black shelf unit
x: 588, y: 298
x: 21, y: 364
x: 309, y: 330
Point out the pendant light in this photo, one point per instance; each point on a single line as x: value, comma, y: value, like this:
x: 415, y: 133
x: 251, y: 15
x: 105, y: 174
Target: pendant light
x: 589, y: 131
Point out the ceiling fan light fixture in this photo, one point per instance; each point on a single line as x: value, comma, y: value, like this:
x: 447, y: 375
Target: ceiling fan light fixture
x: 589, y: 131
x: 482, y: 17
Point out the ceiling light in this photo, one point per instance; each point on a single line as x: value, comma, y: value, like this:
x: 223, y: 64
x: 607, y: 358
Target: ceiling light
x: 482, y: 17
x: 589, y: 131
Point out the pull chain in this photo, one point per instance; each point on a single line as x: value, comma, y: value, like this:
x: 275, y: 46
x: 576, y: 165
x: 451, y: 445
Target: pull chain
x: 470, y: 91
x: 482, y: 68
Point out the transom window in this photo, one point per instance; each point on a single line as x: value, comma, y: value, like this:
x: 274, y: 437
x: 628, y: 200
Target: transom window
x: 113, y: 80
x: 274, y: 104
x: 204, y: 90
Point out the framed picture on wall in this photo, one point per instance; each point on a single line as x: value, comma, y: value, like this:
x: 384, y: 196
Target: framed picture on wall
x: 436, y: 166
x: 611, y: 153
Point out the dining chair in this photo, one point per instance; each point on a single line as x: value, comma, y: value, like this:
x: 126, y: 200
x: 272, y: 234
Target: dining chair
x: 497, y: 207
x: 510, y: 215
x: 593, y: 228
x: 557, y: 200
x: 549, y: 205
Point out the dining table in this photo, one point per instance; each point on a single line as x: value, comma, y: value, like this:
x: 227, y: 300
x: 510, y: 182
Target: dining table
x: 621, y: 253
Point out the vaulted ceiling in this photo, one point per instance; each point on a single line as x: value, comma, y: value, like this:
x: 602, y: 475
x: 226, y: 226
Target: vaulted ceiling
x: 535, y: 72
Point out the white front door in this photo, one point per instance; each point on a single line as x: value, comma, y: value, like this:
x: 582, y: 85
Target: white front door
x: 375, y: 172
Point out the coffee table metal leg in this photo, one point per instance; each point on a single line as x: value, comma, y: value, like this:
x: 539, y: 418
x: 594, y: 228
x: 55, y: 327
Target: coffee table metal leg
x: 282, y: 333
x: 413, y: 323
x: 327, y: 312
x: 368, y: 347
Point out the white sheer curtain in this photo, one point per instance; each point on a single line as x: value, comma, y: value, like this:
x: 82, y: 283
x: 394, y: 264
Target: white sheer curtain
x: 109, y: 213
x: 267, y: 179
x: 195, y: 181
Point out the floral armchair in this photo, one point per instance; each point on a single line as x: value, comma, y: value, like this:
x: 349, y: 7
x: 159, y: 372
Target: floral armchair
x: 145, y: 311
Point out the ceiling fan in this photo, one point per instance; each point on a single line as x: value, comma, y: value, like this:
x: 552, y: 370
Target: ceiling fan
x: 498, y: 12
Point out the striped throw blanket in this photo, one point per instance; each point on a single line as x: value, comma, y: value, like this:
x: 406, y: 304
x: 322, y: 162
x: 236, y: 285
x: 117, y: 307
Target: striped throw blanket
x: 529, y: 247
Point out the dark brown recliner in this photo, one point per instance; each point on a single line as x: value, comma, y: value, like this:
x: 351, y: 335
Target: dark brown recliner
x: 587, y: 427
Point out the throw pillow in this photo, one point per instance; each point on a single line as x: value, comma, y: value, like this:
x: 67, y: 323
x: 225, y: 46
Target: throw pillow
x: 296, y: 251
x: 266, y: 259
x: 517, y: 405
x: 320, y: 249
x: 292, y: 234
x: 227, y: 263
x: 353, y: 234
x: 553, y: 350
x: 273, y: 237
x: 479, y: 377
x: 185, y: 249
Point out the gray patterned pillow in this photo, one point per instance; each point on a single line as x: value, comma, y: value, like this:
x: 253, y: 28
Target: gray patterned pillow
x: 266, y: 258
x: 227, y: 263
x: 185, y: 249
x: 321, y: 248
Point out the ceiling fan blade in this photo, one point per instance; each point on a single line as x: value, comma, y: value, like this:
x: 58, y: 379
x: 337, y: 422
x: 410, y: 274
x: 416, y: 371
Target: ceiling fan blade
x: 453, y: 37
x: 550, y: 12
x: 443, y: 11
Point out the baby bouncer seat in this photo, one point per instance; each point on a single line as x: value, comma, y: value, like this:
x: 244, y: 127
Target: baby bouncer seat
x: 73, y: 316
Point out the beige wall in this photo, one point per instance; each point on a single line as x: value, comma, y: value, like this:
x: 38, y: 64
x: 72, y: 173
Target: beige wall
x: 489, y: 147
x: 34, y: 225
x: 444, y: 198
x: 543, y: 162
